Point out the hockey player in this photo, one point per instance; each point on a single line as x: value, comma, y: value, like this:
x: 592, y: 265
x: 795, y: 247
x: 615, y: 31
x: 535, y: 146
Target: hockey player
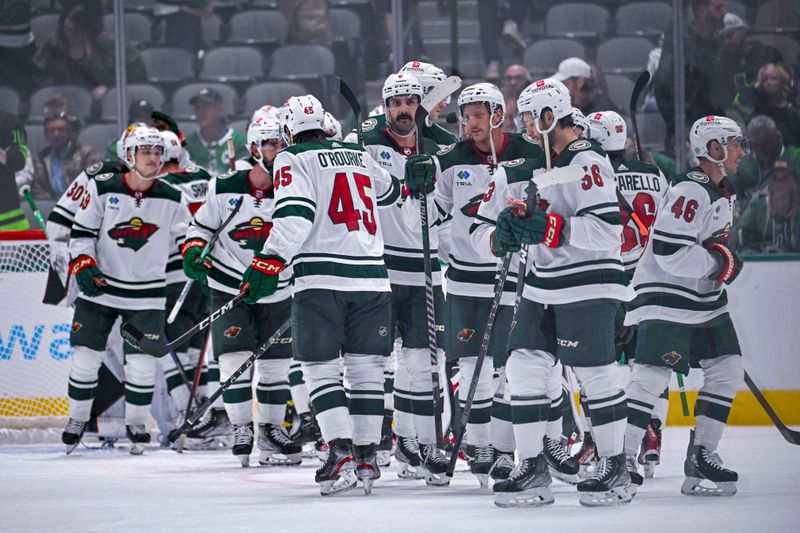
x: 462, y: 173
x: 643, y: 186
x: 242, y: 329
x: 128, y: 225
x: 325, y: 223
x: 681, y: 304
x: 430, y: 76
x: 569, y: 300
x: 581, y: 124
x: 390, y: 144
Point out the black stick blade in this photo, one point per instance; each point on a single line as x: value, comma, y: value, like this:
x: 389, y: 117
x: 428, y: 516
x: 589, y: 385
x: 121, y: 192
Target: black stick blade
x: 133, y: 336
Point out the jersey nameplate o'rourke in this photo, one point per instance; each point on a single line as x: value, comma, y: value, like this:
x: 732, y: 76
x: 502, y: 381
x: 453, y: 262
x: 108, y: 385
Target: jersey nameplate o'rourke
x: 133, y: 234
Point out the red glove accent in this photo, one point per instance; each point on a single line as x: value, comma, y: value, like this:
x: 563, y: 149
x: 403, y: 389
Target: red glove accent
x: 552, y: 232
x: 192, y: 243
x: 730, y: 264
x: 80, y: 263
x: 270, y: 266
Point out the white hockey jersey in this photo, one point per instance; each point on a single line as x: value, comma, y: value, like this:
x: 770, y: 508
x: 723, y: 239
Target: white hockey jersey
x: 244, y: 235
x: 402, y: 244
x: 325, y: 219
x: 588, y: 265
x: 463, y: 177
x: 132, y: 236
x: 672, y: 280
x: 643, y: 185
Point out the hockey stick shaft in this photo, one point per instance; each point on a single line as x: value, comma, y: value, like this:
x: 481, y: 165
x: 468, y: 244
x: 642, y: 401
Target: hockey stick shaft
x: 430, y: 310
x: 198, y: 373
x: 26, y: 192
x: 190, y: 421
x: 347, y: 94
x: 682, y: 391
x: 791, y: 436
x: 138, y: 340
x: 641, y: 83
x: 206, y: 250
x: 181, y: 371
x: 231, y: 154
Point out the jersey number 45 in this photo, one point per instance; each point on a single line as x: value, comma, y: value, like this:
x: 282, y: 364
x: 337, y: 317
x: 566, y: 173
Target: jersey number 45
x: 342, y: 209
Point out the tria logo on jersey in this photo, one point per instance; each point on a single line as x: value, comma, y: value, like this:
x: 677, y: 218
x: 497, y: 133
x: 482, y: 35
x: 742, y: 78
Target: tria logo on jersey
x: 251, y: 235
x: 132, y: 234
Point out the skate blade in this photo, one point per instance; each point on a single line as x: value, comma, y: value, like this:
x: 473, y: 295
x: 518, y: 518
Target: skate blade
x: 572, y: 479
x: 483, y: 480
x: 244, y: 460
x: 433, y: 479
x: 384, y: 457
x: 610, y: 498
x: 693, y: 486
x: 137, y: 449
x: 278, y: 459
x: 650, y: 469
x: 368, y: 481
x: 346, y: 481
x: 406, y: 471
x: 71, y: 447
x: 528, y: 498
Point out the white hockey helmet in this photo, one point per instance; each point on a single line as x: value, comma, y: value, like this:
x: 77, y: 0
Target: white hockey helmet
x: 267, y: 112
x: 401, y: 84
x: 332, y: 127
x: 482, y: 93
x: 545, y: 94
x: 579, y: 119
x: 429, y: 75
x: 263, y: 130
x: 609, y: 129
x: 376, y: 111
x: 125, y: 133
x: 172, y: 146
x: 713, y: 128
x: 138, y: 137
x: 302, y: 113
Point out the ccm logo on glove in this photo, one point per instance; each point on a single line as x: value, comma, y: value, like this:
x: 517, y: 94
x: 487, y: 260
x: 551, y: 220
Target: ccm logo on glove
x: 271, y: 267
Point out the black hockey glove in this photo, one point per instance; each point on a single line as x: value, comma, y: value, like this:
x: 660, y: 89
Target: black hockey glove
x: 420, y: 175
x: 90, y: 279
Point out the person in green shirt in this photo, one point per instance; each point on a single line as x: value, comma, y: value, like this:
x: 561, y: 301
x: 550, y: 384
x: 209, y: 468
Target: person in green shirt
x: 208, y: 146
x: 771, y: 222
x: 767, y: 152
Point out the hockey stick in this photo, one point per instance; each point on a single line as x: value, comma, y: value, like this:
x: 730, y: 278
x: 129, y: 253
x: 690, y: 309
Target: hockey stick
x: 567, y: 174
x: 198, y: 372
x: 214, y: 238
x: 55, y: 291
x: 231, y: 154
x: 181, y: 371
x: 442, y: 90
x: 190, y: 421
x: 348, y: 95
x: 791, y: 436
x: 140, y: 341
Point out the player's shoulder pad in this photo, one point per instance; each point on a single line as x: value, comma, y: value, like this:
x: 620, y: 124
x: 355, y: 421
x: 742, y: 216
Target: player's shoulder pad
x: 103, y: 170
x: 429, y: 146
x: 521, y: 145
x: 166, y: 191
x: 457, y: 153
x: 578, y: 147
x: 694, y: 180
x: 372, y: 123
x: 198, y: 172
x: 231, y: 173
x: 520, y: 169
x: 374, y: 134
x: 642, y: 167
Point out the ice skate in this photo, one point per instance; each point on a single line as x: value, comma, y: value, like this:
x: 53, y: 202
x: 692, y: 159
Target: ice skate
x: 366, y: 464
x: 384, y: 452
x: 609, y: 484
x: 527, y: 486
x: 434, y: 465
x: 337, y: 474
x: 705, y: 475
x: 308, y: 434
x: 243, y: 443
x: 586, y: 456
x: 321, y: 450
x: 138, y: 436
x: 276, y: 448
x: 503, y: 465
x: 73, y: 433
x: 562, y: 465
x: 213, y: 423
x: 633, y: 472
x: 408, y: 458
x: 481, y: 465
x: 650, y: 454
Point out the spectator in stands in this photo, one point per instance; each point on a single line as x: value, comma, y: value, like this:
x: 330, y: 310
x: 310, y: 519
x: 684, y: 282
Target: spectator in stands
x: 80, y: 54
x: 16, y: 46
x: 771, y: 222
x: 767, y: 152
x: 493, y: 15
x: 581, y: 80
x: 183, y: 21
x: 309, y: 21
x: 13, y: 152
x: 56, y: 166
x: 702, y: 49
x: 773, y: 94
x: 665, y: 159
x: 515, y: 79
x: 742, y: 58
x: 207, y: 146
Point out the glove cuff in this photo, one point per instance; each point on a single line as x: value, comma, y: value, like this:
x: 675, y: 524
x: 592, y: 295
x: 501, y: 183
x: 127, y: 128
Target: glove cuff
x: 727, y: 262
x: 80, y: 263
x: 192, y: 243
x: 271, y: 265
x: 552, y: 231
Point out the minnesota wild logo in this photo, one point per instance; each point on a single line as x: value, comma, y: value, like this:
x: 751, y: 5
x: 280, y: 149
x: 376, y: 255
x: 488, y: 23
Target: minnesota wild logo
x: 251, y: 235
x: 132, y: 234
x: 470, y: 209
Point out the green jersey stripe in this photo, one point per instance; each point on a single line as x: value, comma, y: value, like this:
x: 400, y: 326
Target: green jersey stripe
x: 675, y: 301
x: 410, y: 264
x: 293, y: 199
x: 579, y: 265
x: 678, y: 288
x: 336, y: 256
x: 602, y: 276
x: 597, y: 207
x: 294, y: 211
x: 328, y: 268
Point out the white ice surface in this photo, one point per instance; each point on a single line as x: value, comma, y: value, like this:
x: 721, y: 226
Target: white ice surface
x: 41, y: 489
